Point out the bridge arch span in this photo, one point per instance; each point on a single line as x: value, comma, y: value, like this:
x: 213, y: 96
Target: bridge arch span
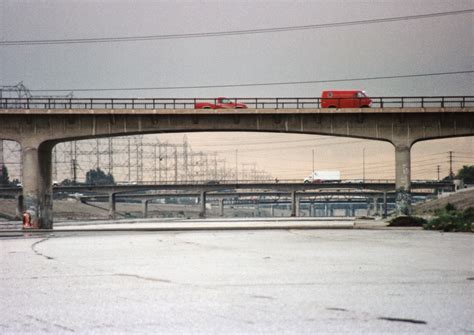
x: 39, y: 130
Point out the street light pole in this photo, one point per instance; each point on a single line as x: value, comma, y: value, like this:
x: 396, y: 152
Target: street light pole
x: 363, y: 164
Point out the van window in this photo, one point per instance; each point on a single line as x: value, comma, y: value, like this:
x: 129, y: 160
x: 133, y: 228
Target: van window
x: 360, y: 95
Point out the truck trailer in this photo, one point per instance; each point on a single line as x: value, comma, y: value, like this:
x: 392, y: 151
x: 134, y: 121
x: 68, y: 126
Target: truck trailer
x: 323, y: 177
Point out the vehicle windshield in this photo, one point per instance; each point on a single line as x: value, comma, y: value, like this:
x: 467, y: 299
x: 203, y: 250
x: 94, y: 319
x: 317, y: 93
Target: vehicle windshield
x: 226, y: 101
x: 361, y: 95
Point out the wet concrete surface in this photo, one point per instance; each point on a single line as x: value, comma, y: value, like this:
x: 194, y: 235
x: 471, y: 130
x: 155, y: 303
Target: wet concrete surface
x: 285, y: 281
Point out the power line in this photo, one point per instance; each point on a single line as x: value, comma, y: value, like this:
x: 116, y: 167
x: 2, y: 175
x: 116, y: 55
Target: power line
x: 230, y: 32
x: 256, y: 84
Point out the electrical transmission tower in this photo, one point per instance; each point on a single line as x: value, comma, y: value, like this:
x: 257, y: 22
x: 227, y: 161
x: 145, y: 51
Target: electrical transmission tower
x: 130, y: 159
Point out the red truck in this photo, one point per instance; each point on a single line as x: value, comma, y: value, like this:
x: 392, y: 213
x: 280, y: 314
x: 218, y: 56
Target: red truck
x: 345, y: 99
x: 220, y: 103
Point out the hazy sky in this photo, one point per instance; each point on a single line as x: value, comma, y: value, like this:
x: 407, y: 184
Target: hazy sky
x: 420, y: 46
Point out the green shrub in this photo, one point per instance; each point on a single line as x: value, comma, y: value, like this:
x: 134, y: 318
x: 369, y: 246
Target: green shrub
x: 451, y: 220
x: 407, y: 221
x: 450, y: 207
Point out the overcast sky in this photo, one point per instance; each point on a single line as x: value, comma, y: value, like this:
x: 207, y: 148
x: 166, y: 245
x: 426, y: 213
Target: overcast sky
x: 408, y: 47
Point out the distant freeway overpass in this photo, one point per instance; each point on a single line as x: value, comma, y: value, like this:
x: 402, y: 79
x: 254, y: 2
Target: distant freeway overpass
x: 38, y: 124
x: 229, y: 189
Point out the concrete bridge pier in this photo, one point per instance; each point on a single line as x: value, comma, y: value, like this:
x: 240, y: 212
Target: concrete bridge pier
x: 221, y: 207
x: 330, y: 210
x: 112, y: 206
x: 352, y: 208
x: 145, y: 208
x: 402, y: 179
x: 37, y: 183
x: 294, y: 210
x: 202, y: 202
x: 349, y: 210
x: 376, y: 208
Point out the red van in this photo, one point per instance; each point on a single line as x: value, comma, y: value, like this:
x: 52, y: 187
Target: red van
x: 345, y: 99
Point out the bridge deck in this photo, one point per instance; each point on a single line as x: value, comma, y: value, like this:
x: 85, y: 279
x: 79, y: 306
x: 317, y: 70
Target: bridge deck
x: 182, y: 111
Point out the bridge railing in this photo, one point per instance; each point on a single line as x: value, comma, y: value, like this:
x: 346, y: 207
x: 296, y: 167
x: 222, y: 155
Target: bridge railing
x: 256, y: 103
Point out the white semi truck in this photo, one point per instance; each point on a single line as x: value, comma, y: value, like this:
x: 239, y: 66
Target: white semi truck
x: 323, y: 177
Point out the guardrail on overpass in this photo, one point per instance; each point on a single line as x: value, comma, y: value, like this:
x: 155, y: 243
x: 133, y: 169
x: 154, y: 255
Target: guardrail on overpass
x: 257, y: 103
x: 375, y: 184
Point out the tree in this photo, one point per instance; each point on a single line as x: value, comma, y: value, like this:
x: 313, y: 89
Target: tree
x: 4, y: 178
x: 99, y: 177
x: 466, y: 174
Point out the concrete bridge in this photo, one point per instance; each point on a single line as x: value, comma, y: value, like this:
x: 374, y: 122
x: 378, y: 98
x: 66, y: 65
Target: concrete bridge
x: 39, y: 124
x: 374, y: 189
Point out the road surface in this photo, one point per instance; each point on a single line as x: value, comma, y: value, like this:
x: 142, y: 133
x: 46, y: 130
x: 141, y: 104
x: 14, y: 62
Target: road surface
x: 237, y: 282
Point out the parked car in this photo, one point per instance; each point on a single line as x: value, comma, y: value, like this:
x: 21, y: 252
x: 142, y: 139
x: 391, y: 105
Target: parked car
x: 345, y: 99
x: 220, y: 103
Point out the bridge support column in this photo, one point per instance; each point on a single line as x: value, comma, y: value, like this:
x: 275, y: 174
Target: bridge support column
x: 402, y: 179
x: 37, y: 184
x: 293, y: 204
x: 145, y: 208
x: 202, y: 202
x: 221, y: 207
x: 376, y: 209
x: 112, y: 206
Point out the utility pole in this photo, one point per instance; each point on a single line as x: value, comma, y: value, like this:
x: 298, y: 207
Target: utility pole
x: 363, y: 165
x: 236, y: 165
x: 165, y: 157
x: 175, y: 164
x: 111, y: 156
x: 74, y: 161
x: 97, y: 152
x: 312, y: 171
x: 451, y: 174
x: 438, y: 172
x: 129, y: 161
x: 185, y: 157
